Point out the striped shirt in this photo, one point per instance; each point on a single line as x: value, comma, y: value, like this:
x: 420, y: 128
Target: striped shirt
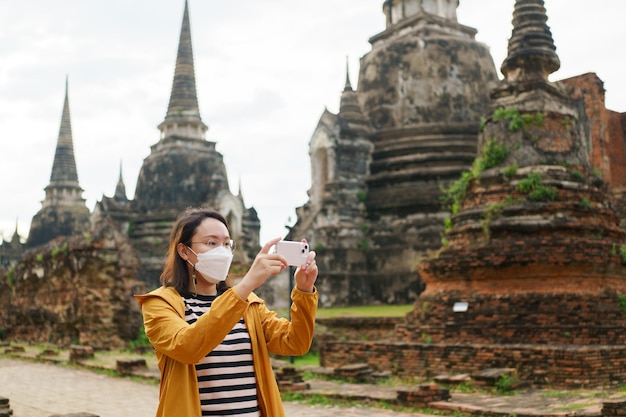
x: 225, y: 375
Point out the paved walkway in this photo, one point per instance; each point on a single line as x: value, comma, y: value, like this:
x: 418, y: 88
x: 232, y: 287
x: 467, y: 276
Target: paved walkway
x: 42, y: 390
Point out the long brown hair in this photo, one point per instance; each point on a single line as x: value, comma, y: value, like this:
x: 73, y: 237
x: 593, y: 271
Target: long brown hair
x: 175, y: 272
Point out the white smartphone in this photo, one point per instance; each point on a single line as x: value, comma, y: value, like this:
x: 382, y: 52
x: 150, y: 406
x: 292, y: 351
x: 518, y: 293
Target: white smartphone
x: 294, y: 252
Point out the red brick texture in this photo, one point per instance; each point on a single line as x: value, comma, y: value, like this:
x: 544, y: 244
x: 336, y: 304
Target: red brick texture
x: 578, y: 366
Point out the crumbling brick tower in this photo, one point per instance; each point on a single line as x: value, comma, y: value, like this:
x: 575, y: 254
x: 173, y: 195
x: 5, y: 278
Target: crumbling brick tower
x: 534, y: 245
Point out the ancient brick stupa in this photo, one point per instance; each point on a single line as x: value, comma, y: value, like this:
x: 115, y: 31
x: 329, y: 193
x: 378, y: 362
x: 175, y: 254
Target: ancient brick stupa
x: 531, y: 215
x: 534, y: 252
x: 532, y: 271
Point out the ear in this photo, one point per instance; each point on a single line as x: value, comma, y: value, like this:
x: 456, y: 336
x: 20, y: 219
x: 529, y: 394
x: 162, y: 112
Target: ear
x: 183, y: 251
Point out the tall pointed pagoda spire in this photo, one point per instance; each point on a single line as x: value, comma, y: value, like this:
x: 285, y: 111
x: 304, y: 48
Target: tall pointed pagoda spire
x: 63, y: 211
x: 15, y: 240
x: 64, y: 165
x: 348, y: 86
x: 120, y: 189
x: 183, y: 114
x: 64, y: 188
x: 351, y: 118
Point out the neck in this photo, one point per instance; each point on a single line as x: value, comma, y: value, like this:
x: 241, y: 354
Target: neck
x: 202, y: 287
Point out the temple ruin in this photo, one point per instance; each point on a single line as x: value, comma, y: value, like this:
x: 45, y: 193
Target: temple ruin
x: 63, y: 211
x: 532, y: 271
x: 378, y: 166
x: 74, y: 278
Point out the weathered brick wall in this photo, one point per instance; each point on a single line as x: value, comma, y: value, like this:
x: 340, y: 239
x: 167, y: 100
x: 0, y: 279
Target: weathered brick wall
x: 359, y: 328
x: 614, y: 408
x: 563, y: 318
x: 5, y: 296
x: 563, y: 340
x: 77, y: 290
x: 604, y: 128
x: 577, y: 366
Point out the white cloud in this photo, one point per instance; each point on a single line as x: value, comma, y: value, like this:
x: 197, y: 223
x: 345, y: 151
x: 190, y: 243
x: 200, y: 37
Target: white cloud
x: 265, y: 70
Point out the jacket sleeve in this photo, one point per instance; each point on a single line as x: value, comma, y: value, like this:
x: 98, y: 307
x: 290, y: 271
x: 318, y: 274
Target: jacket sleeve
x: 170, y: 334
x: 291, y: 338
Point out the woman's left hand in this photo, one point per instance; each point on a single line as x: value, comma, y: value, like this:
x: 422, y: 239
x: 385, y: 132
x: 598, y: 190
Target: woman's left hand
x: 307, y: 274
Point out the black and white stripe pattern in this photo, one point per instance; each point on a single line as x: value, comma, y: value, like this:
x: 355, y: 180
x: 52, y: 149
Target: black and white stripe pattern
x: 226, y: 375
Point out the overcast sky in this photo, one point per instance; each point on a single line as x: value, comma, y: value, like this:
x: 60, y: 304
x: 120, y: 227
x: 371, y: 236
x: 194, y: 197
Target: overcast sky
x: 265, y: 71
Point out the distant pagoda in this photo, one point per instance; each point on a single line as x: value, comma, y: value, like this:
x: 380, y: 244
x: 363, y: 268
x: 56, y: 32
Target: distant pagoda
x: 184, y: 169
x: 63, y: 211
x: 11, y: 250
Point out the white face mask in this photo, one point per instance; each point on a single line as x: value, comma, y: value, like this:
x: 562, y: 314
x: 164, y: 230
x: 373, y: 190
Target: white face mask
x: 214, y: 264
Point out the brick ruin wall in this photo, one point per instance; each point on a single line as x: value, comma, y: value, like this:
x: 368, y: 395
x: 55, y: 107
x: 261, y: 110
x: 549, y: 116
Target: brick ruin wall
x: 357, y: 328
x: 579, y: 366
x: 560, y: 328
x: 564, y: 341
x: 536, y: 318
x: 75, y: 290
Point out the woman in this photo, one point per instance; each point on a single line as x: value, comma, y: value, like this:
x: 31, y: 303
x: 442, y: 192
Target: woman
x: 212, y: 342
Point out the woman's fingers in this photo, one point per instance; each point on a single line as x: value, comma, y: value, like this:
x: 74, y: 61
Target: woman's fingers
x: 266, y: 248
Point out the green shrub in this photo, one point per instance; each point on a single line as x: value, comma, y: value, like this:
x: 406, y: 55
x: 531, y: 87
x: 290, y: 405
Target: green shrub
x: 529, y: 183
x: 140, y: 341
x: 493, y: 154
x: 622, y: 253
x: 535, y: 190
x: 504, y: 384
x: 622, y: 302
x: 510, y: 171
x: 447, y: 223
x: 577, y: 175
x: 483, y: 123
x: 543, y: 193
x: 10, y: 279
x: 454, y: 195
x: 516, y: 120
x: 491, y: 212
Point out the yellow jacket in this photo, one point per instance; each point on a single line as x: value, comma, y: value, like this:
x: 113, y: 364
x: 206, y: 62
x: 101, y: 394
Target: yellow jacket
x: 179, y: 346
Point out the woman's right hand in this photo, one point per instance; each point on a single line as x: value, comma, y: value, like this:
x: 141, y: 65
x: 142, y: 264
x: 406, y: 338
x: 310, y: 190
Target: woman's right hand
x: 265, y: 265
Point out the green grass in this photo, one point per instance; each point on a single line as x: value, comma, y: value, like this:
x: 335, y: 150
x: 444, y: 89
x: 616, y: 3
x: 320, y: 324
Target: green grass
x: 310, y: 359
x: 576, y: 406
x: 326, y: 401
x: 358, y: 311
x: 365, y: 311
